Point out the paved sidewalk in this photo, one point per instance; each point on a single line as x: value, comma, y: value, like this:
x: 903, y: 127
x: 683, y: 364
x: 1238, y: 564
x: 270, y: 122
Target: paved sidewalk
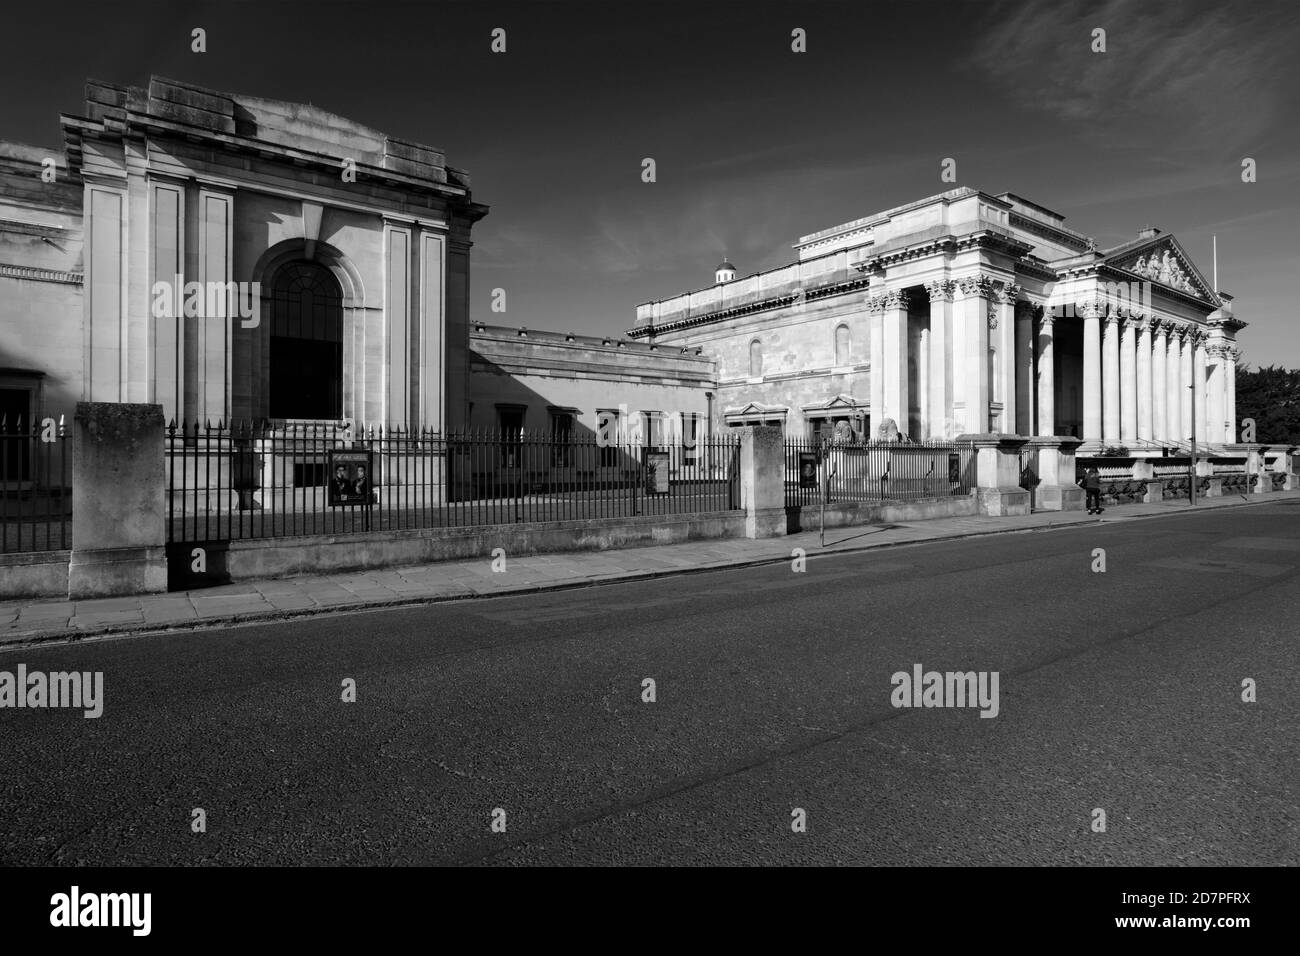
x: 36, y: 620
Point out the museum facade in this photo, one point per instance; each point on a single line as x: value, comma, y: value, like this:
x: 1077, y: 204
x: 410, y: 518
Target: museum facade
x: 231, y: 257
x: 236, y: 258
x: 968, y: 313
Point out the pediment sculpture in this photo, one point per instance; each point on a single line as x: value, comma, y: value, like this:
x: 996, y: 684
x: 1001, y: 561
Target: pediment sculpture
x: 1165, y: 269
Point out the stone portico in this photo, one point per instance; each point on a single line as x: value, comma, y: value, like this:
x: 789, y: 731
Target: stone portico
x: 969, y: 313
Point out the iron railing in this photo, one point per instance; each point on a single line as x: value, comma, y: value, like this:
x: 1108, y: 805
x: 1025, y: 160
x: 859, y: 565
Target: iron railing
x: 876, y: 470
x: 283, y: 479
x: 35, y: 492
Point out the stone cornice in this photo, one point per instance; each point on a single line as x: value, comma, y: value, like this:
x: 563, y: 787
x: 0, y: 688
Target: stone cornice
x: 11, y: 271
x: 763, y: 305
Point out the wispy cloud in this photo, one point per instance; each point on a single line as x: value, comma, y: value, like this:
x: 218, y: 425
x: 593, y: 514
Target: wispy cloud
x: 1194, y: 75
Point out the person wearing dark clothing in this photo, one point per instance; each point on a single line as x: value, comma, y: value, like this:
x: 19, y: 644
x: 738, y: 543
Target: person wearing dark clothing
x: 1092, y: 490
x: 340, y: 486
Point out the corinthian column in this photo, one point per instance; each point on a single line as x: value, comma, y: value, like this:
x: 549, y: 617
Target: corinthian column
x: 1230, y: 384
x: 1110, y: 381
x: 1204, y: 428
x: 1128, y: 419
x: 1144, y: 411
x: 976, y: 291
x: 1159, y: 397
x: 1025, y: 381
x: 1174, y: 385
x: 1046, y: 376
x: 941, y: 359
x: 1216, y: 412
x: 898, y: 396
x: 1092, y: 430
x: 1186, y: 379
x: 876, y: 336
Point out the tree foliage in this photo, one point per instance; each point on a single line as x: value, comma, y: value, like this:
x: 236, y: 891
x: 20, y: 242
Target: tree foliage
x: 1271, y: 396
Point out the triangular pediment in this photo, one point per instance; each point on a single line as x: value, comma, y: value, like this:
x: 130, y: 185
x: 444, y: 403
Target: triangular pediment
x: 1163, y: 261
x: 758, y: 408
x: 839, y: 401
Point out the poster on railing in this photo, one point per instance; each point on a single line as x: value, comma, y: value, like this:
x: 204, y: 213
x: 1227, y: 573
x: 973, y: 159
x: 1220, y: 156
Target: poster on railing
x: 656, y: 472
x: 807, y: 469
x: 351, y: 477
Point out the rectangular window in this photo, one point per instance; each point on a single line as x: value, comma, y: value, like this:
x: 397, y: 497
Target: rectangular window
x: 607, y: 436
x: 510, y: 422
x: 16, y: 423
x: 561, y: 439
x: 652, y: 428
x: 691, y: 422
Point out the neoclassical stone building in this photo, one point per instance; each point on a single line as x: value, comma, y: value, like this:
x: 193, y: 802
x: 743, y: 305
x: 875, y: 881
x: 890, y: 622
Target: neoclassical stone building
x: 330, y: 261
x: 969, y: 313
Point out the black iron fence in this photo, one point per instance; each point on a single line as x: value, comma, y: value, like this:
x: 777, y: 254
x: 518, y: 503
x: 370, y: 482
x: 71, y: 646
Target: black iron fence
x: 286, y: 479
x: 876, y: 471
x: 35, y: 492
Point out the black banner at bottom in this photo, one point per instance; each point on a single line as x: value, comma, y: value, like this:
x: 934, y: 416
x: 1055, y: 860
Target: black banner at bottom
x: 962, y: 905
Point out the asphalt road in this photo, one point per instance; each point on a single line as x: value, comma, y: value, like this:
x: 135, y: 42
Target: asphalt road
x: 1118, y: 690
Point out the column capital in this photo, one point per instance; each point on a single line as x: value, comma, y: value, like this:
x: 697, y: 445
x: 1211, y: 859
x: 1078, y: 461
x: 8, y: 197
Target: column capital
x: 1008, y: 292
x: 1045, y: 320
x: 977, y: 284
x: 889, y: 299
x: 1025, y: 307
x: 1090, y: 308
x: 1159, y: 326
x: 941, y: 290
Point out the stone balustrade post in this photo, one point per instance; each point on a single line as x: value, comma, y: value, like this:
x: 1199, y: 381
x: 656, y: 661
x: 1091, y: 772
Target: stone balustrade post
x: 1058, y: 490
x: 997, y: 474
x: 762, y: 480
x: 119, y: 533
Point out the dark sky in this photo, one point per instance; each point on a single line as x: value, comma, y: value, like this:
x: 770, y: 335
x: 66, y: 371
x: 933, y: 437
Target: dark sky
x: 755, y: 145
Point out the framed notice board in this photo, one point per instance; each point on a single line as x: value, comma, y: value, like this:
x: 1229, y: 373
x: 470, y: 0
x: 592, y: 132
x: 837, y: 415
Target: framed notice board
x: 656, y: 472
x: 351, y: 477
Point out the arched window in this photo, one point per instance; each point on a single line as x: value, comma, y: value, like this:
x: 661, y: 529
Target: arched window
x: 306, y: 333
x: 755, y: 359
x: 841, y: 345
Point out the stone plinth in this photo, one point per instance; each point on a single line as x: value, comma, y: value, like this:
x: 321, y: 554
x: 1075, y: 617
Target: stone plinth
x: 762, y: 480
x: 1058, y: 490
x: 119, y: 487
x: 997, y: 474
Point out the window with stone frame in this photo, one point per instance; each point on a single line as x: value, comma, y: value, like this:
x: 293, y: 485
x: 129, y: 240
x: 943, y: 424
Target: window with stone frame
x: 562, y: 421
x: 510, y: 424
x: 608, y: 431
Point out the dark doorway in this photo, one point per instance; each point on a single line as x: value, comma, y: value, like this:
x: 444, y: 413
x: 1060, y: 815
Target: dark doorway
x: 15, y: 429
x: 306, y: 343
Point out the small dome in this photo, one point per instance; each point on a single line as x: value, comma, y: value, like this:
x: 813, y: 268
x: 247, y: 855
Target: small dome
x: 726, y: 266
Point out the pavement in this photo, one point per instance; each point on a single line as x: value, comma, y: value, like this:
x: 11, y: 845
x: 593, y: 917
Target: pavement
x: 41, y: 620
x: 684, y: 720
